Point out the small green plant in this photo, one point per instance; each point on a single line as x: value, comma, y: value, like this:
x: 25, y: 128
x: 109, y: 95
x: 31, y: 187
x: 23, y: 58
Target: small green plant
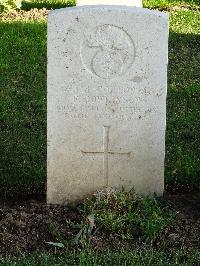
x: 153, y: 218
x: 86, y: 230
x: 55, y: 231
x: 6, y: 5
x: 128, y: 215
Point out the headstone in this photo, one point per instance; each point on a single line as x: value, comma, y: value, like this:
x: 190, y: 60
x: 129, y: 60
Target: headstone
x: 107, y: 84
x: 137, y: 3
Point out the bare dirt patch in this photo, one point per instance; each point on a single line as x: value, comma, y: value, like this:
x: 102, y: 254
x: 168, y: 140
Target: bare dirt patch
x: 26, y: 226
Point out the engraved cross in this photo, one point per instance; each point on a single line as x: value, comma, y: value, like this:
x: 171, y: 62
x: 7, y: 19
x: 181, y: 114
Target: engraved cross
x: 106, y: 152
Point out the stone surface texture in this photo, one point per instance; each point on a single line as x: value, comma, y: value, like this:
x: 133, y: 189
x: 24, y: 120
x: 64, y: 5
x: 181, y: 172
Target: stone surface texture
x: 137, y: 3
x: 107, y: 86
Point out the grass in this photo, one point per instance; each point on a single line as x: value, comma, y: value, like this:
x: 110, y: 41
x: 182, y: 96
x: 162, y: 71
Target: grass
x: 119, y: 215
x: 122, y: 216
x: 23, y: 99
x: 23, y: 103
x: 48, y: 4
x: 90, y: 258
x: 183, y: 107
x: 162, y: 4
x: 127, y: 215
x: 28, y: 4
x: 23, y: 139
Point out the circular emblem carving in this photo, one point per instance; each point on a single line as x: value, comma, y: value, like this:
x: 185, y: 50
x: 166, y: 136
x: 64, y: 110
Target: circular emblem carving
x: 108, y: 52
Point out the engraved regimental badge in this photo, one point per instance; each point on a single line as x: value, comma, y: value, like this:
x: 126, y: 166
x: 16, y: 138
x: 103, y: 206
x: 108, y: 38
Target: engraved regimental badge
x: 108, y: 52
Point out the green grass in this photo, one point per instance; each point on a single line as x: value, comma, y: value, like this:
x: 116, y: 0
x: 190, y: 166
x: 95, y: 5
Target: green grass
x: 183, y: 106
x: 52, y: 4
x: 48, y: 4
x: 23, y: 138
x: 91, y: 258
x: 111, y: 222
x: 127, y: 215
x: 122, y: 216
x: 23, y: 101
x: 169, y: 3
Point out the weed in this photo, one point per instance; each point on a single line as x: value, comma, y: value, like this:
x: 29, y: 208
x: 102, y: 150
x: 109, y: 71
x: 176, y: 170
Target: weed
x: 127, y: 215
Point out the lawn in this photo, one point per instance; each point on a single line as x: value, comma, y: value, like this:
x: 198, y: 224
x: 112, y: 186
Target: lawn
x: 89, y: 258
x: 23, y: 154
x: 23, y: 97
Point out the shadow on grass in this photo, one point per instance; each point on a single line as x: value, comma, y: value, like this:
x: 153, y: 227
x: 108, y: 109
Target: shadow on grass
x: 23, y: 117
x: 48, y: 4
x: 182, y: 164
x: 23, y: 107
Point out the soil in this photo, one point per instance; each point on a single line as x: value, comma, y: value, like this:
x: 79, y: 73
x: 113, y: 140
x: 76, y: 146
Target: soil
x: 26, y: 226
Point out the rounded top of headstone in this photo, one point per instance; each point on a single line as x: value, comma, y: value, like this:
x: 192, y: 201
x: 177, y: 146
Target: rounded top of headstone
x: 109, y: 8
x: 137, y: 3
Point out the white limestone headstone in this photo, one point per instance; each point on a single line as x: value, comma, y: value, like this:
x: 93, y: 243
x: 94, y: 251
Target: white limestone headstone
x: 107, y: 85
x: 137, y: 3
